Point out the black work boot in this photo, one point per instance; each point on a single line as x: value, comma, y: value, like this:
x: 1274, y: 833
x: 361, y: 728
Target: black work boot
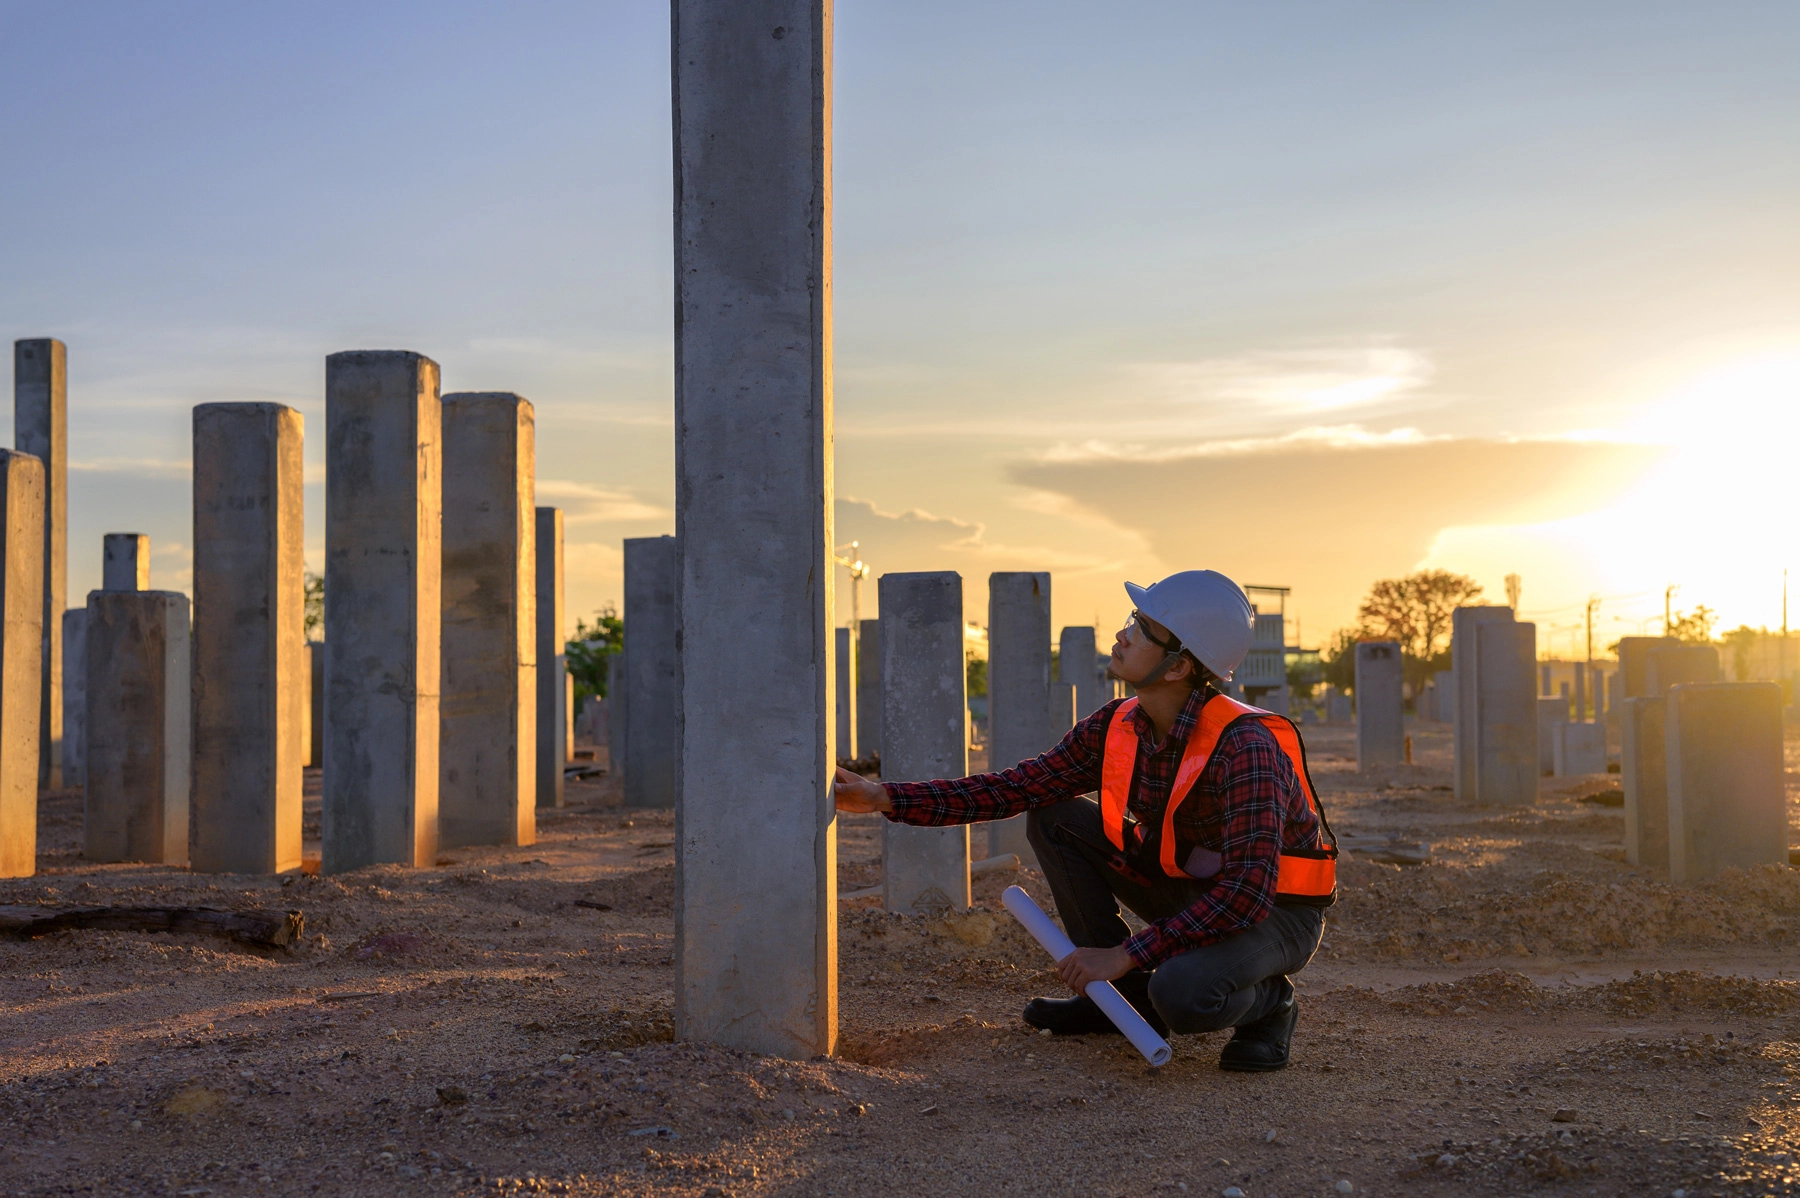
x: 1261, y: 1046
x: 1079, y: 1016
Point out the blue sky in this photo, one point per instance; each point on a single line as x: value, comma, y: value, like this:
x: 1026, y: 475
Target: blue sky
x: 1119, y: 290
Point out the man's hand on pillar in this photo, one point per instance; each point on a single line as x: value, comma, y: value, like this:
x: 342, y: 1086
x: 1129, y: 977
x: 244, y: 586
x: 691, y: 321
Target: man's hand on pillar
x: 1086, y: 965
x: 856, y: 793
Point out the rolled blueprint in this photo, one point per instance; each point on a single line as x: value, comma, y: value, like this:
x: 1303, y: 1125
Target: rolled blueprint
x: 1106, y: 996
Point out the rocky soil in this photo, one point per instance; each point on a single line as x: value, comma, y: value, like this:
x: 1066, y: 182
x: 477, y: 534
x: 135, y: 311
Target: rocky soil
x: 1521, y: 1013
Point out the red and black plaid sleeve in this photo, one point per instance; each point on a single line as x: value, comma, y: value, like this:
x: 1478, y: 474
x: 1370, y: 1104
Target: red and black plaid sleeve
x: 1069, y: 770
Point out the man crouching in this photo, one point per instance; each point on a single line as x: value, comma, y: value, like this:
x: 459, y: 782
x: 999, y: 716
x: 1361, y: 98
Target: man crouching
x: 1206, y: 826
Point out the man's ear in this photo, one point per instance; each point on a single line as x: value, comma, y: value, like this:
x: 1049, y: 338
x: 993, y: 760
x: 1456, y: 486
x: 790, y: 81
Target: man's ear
x: 1180, y: 670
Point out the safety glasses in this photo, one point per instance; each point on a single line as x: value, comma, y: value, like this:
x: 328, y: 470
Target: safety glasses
x: 1172, y: 645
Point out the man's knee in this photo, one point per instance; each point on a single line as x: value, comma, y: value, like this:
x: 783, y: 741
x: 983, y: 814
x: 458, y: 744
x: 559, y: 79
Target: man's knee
x: 1190, y: 1005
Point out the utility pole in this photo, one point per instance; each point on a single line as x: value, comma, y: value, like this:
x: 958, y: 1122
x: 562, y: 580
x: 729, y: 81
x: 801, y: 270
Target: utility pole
x: 1513, y: 586
x: 1593, y: 605
x: 859, y: 570
x: 1668, y: 595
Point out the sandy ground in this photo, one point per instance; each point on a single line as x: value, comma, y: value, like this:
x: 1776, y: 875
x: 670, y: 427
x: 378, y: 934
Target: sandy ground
x: 1522, y: 1013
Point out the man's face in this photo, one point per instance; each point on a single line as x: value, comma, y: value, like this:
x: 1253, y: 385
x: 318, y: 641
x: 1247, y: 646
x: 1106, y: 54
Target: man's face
x: 1133, y: 653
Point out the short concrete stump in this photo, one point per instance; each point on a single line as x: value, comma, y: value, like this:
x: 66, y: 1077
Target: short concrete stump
x: 1643, y: 773
x: 1380, y: 704
x: 1579, y: 749
x: 138, y: 727
x: 1727, y: 802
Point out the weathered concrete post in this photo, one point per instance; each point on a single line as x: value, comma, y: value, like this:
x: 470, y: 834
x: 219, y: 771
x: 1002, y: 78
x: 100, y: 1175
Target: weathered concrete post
x: 139, y: 728
x: 923, y: 869
x: 1018, y: 688
x: 1552, y: 713
x: 74, y: 697
x: 249, y: 664
x: 125, y: 562
x: 21, y: 657
x: 1727, y: 801
x: 868, y: 688
x: 753, y: 511
x: 1462, y: 668
x: 1380, y: 704
x: 488, y: 702
x: 1077, y: 662
x: 1505, y: 708
x: 846, y: 693
x: 1644, y: 776
x: 652, y: 572
x: 553, y: 683
x: 617, y: 673
x: 1634, y: 662
x: 41, y: 429
x: 383, y: 555
x: 1665, y: 668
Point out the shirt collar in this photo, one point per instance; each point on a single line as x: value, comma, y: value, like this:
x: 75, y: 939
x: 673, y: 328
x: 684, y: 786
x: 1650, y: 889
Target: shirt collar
x: 1184, y: 724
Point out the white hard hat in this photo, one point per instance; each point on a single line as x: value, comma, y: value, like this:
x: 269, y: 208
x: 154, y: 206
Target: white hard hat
x: 1209, y: 613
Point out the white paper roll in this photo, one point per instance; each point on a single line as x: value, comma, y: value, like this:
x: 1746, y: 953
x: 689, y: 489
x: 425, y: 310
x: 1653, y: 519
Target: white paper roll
x: 1105, y: 995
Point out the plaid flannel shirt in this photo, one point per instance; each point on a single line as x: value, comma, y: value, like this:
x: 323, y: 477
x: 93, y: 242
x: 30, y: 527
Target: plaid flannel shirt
x: 1247, y: 806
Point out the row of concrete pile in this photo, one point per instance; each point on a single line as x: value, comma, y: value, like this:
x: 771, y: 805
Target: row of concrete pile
x: 189, y: 731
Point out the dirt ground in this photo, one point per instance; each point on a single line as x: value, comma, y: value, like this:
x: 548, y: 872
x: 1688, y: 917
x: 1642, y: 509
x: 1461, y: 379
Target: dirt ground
x: 1523, y: 1012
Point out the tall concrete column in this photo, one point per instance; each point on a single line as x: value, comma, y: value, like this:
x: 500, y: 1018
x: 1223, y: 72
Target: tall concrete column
x: 251, y: 675
x: 1019, y: 724
x: 652, y: 572
x: 41, y: 429
x: 487, y: 775
x: 21, y: 657
x: 1380, y: 704
x: 846, y: 693
x: 1643, y: 774
x: 553, y: 707
x: 756, y: 828
x: 1077, y: 662
x: 926, y: 734
x: 125, y: 562
x: 1727, y: 795
x: 74, y: 697
x: 1505, y: 709
x: 1462, y: 668
x: 315, y: 704
x: 618, y: 712
x: 383, y: 555
x: 139, y: 728
x: 868, y: 688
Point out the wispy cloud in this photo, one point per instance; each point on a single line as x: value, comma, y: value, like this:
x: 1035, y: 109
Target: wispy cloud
x: 1293, y: 381
x: 134, y: 467
x: 1334, y: 436
x: 584, y: 503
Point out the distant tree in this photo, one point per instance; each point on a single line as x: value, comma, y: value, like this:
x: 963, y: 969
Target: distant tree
x: 975, y: 675
x: 314, y: 592
x: 1338, y: 661
x: 1695, y: 627
x: 1416, y: 611
x: 1742, y: 642
x: 588, y: 651
x: 1304, y: 671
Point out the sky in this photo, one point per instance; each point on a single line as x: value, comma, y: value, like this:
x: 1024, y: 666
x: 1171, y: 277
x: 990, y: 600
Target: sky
x: 1310, y: 293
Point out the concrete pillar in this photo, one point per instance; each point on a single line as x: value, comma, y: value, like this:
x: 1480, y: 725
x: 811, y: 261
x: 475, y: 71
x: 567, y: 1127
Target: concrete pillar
x: 74, y: 697
x: 1462, y: 668
x: 555, y: 707
x: 383, y: 557
x: 652, y: 572
x: 1018, y: 688
x: 1675, y: 665
x: 1544, y: 685
x: 1552, y: 714
x: 923, y: 869
x: 1077, y: 662
x: 618, y: 738
x: 125, y: 562
x: 846, y: 694
x: 488, y: 705
x: 1505, y: 709
x: 315, y: 703
x: 21, y: 656
x: 1634, y: 662
x: 1380, y: 704
x: 139, y: 728
x: 1445, y: 683
x: 251, y: 676
x: 1597, y: 684
x: 1578, y: 748
x: 1581, y: 709
x: 1727, y: 805
x: 1062, y: 709
x: 41, y: 429
x: 1643, y: 774
x: 753, y: 510
x: 868, y: 688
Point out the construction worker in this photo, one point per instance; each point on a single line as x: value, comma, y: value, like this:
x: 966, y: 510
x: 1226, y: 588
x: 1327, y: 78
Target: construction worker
x: 1191, y: 808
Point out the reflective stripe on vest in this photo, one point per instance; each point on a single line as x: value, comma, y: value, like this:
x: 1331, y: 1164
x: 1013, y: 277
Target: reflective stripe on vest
x: 1305, y: 873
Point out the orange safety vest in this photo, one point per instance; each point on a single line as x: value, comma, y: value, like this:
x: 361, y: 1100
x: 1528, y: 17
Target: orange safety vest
x: 1301, y: 874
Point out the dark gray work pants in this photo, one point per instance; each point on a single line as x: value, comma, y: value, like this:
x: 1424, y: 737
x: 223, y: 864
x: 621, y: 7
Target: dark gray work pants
x: 1236, y: 981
